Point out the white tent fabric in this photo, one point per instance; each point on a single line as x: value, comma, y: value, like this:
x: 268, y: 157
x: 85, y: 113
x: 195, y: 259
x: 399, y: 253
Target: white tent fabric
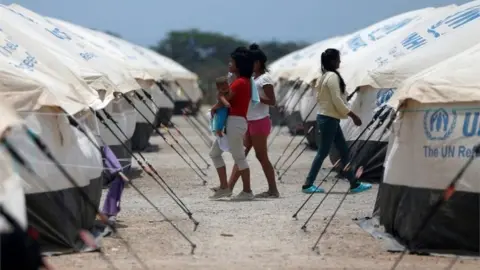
x: 176, y: 70
x: 359, y: 41
x: 168, y: 69
x: 27, y: 89
x: 431, y: 142
x: 352, y: 47
x: 60, y: 86
x: 433, y: 136
x: 31, y: 30
x: 12, y: 196
x: 186, y: 81
x: 139, y: 67
x: 127, y: 53
x: 135, y: 68
x: 132, y: 51
x: 453, y: 80
x: 125, y: 116
x: 161, y: 100
x: 439, y: 38
x: 311, y: 58
x: 286, y: 64
x: 72, y: 148
x: 94, y: 78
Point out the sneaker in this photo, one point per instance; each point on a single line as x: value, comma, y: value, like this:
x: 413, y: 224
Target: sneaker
x: 313, y: 189
x: 361, y: 188
x: 112, y: 219
x: 244, y: 196
x: 214, y: 189
x: 267, y: 194
x: 221, y: 193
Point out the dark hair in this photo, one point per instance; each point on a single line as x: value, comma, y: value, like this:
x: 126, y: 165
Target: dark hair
x: 258, y: 55
x: 221, y: 80
x: 327, y: 59
x: 243, y: 61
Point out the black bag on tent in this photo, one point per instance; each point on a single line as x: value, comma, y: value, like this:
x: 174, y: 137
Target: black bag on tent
x: 19, y: 249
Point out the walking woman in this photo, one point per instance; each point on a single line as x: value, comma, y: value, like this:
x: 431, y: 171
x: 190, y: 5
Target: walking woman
x: 259, y: 123
x: 332, y: 106
x: 241, y: 65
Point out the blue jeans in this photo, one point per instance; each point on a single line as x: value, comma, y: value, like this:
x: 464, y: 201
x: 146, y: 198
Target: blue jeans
x: 329, y: 132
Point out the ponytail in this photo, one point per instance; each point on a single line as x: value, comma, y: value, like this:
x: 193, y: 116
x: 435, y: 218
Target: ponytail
x: 259, y: 55
x: 326, y: 60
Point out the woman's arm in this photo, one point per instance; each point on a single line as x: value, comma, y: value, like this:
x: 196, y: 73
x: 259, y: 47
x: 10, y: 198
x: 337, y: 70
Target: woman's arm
x: 224, y: 101
x: 270, y: 95
x: 333, y: 85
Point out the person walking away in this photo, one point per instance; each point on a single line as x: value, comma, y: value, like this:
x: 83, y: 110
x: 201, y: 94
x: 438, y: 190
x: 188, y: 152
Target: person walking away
x: 332, y: 106
x: 241, y: 64
x: 259, y: 124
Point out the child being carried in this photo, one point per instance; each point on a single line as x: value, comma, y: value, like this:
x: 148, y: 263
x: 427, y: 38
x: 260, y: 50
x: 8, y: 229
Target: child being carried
x: 219, y: 116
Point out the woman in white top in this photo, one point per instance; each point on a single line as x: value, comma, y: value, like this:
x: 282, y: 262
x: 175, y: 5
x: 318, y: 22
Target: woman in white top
x: 259, y: 124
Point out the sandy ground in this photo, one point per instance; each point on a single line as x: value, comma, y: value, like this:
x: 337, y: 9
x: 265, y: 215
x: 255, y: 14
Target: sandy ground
x: 242, y: 235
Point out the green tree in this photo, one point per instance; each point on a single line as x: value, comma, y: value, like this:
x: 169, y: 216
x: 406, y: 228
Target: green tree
x: 207, y: 53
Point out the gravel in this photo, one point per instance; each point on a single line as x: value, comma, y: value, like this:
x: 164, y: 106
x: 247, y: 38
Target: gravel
x: 260, y: 234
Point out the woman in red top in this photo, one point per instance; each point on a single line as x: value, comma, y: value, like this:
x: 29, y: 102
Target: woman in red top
x: 241, y: 64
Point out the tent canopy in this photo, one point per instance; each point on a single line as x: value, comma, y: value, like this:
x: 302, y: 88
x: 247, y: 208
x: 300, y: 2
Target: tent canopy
x: 363, y: 40
x: 142, y: 66
x: 11, y: 191
x: 282, y: 67
x: 34, y: 29
x: 28, y: 89
x: 136, y: 68
x: 453, y: 80
x: 442, y: 36
x: 61, y: 82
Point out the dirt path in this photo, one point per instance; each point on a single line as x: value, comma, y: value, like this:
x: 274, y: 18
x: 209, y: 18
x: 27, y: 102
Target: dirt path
x: 260, y: 234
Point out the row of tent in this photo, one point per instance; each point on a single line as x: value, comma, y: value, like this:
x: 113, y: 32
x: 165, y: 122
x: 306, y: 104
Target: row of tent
x: 50, y: 70
x: 425, y: 65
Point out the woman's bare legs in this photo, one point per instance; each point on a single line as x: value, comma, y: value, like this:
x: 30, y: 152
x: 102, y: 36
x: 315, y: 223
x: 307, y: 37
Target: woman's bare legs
x: 259, y: 143
x: 222, y: 176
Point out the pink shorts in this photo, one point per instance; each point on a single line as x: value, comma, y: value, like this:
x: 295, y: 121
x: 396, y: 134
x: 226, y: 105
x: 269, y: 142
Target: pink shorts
x: 260, y: 126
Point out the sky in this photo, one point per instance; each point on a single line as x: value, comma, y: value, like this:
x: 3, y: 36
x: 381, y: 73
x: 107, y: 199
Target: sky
x: 145, y: 22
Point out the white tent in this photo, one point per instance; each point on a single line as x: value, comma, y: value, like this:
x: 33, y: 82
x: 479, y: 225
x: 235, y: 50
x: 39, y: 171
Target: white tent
x: 402, y: 57
x: 129, y: 55
x: 133, y: 124
x: 353, y: 45
x: 38, y: 35
x: 283, y: 67
x: 441, y: 37
x: 38, y: 97
x: 434, y: 134
x: 187, y: 80
x: 12, y: 196
x: 54, y: 73
x: 184, y: 79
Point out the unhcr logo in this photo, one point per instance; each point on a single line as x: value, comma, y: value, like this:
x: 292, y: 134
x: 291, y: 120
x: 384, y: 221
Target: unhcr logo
x: 383, y: 96
x: 439, y: 124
